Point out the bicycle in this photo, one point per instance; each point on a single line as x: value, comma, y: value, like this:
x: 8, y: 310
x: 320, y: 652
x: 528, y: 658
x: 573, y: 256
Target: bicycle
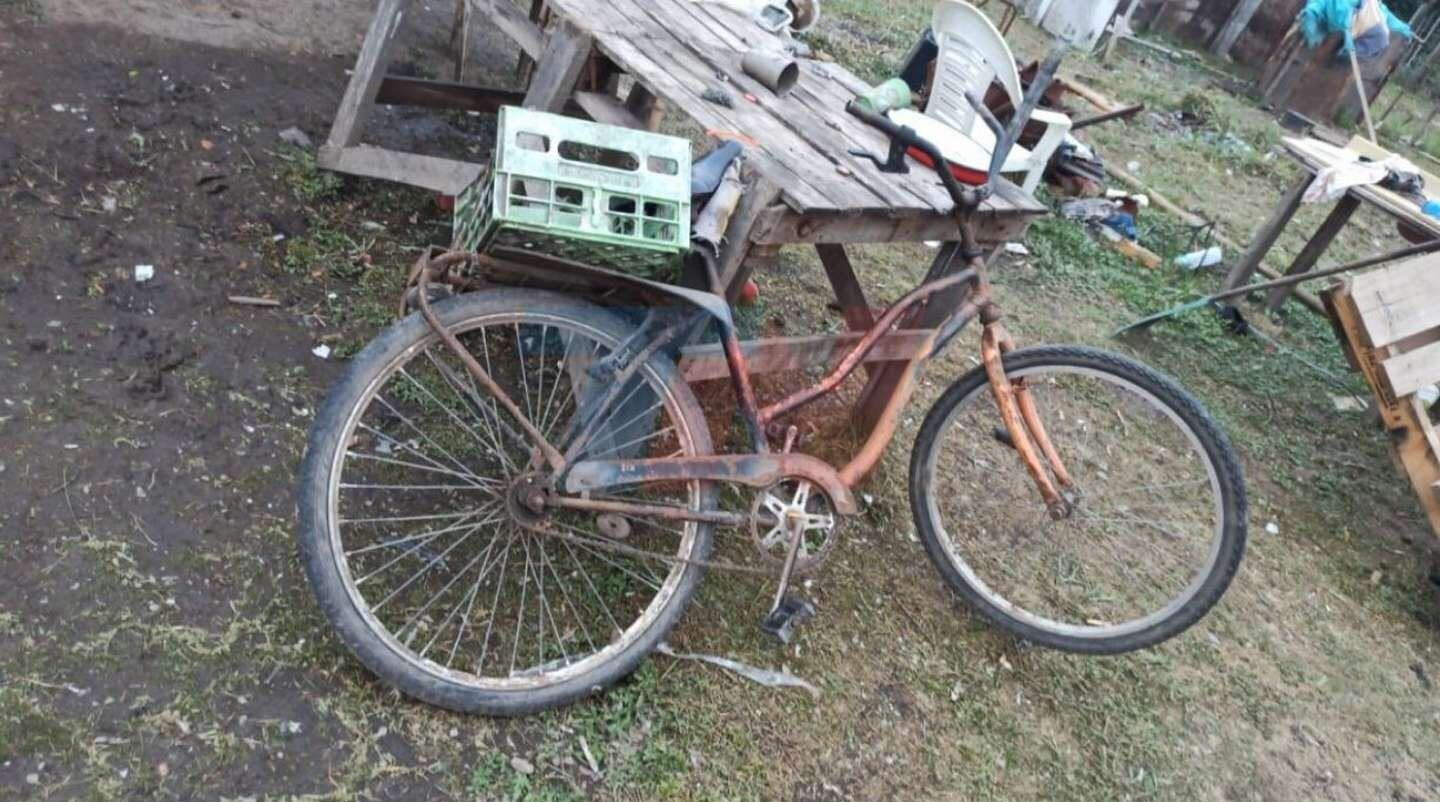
x: 511, y: 497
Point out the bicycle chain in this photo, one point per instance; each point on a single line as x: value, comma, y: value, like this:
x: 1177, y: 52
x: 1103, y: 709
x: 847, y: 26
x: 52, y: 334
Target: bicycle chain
x: 618, y: 548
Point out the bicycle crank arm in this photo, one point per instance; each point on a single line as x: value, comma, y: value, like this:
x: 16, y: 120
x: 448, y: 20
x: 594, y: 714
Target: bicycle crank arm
x: 751, y: 470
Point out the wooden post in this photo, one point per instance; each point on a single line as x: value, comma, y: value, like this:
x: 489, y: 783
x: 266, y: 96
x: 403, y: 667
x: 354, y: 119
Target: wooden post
x: 737, y: 261
x: 1267, y: 235
x: 1235, y: 27
x: 1364, y: 96
x: 1119, y: 29
x: 1315, y: 248
x: 645, y: 106
x: 886, y: 381
x: 558, y: 70
x: 857, y: 312
x: 359, y: 99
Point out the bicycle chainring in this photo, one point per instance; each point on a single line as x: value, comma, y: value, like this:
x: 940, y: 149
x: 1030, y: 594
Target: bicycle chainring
x: 801, y: 501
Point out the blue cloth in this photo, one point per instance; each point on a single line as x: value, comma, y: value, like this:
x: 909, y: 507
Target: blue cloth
x: 1123, y: 223
x: 1323, y: 18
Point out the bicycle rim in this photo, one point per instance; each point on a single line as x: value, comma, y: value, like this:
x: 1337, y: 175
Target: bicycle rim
x: 423, y: 524
x: 1148, y: 530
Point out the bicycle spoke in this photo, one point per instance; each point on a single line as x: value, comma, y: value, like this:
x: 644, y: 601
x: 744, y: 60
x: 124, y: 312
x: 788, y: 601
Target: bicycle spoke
x: 415, y: 548
x: 409, y: 538
x: 403, y: 419
x: 471, y: 479
x: 426, y: 522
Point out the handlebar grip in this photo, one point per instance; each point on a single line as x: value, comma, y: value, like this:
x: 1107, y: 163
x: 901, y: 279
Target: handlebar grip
x: 910, y: 139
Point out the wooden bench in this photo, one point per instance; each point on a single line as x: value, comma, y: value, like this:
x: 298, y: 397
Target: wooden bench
x: 1388, y: 321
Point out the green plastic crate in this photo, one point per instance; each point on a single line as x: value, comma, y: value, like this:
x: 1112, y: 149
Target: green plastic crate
x: 592, y: 193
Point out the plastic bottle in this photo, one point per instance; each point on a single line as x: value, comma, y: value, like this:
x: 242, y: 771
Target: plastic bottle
x: 893, y: 94
x: 1200, y: 259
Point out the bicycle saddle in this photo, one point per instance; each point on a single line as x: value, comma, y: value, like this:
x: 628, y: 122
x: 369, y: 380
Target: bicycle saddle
x: 706, y: 174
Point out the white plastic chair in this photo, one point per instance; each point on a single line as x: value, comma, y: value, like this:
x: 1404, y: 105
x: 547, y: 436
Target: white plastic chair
x: 973, y: 55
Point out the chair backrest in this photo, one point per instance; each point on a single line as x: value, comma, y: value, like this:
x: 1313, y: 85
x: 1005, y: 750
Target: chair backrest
x: 973, y: 54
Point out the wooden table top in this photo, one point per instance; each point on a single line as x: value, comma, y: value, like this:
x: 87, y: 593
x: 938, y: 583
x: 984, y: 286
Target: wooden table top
x: 679, y: 48
x: 1316, y: 155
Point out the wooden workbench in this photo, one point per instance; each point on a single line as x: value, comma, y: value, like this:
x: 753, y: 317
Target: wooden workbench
x: 803, y: 184
x: 1314, y: 156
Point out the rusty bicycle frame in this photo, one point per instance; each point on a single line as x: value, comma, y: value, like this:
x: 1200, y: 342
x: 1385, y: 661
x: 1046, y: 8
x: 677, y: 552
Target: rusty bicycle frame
x: 568, y: 480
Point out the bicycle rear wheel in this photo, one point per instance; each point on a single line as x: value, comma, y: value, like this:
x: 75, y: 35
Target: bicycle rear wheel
x: 414, y: 529
x: 1158, y: 528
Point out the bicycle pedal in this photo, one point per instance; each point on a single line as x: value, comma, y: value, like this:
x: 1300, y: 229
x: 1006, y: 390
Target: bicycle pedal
x: 783, y: 620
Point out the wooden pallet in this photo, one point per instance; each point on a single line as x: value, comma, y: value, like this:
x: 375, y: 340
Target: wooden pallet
x: 1388, y: 321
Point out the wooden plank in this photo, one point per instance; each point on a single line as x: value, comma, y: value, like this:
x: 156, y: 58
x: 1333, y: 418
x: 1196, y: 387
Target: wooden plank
x: 1419, y: 450
x: 1268, y: 234
x: 1408, y: 372
x: 1398, y: 301
x: 663, y: 60
x: 786, y: 226
x: 558, y: 68
x: 857, y: 311
x: 759, y: 196
x: 603, y: 108
x: 514, y: 23
x: 1413, y: 440
x: 1314, y: 249
x: 445, y: 176
x: 370, y: 67
x: 645, y: 107
x: 707, y: 362
x: 813, y: 110
x: 396, y: 90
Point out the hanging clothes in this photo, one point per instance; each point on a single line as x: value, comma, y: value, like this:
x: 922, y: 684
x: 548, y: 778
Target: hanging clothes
x: 1366, y: 25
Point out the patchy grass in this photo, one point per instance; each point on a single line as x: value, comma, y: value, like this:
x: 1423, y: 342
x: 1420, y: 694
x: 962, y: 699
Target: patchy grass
x: 1311, y: 680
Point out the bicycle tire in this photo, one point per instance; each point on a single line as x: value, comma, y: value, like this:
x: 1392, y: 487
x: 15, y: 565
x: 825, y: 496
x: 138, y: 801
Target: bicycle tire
x: 1181, y: 406
x: 323, y: 560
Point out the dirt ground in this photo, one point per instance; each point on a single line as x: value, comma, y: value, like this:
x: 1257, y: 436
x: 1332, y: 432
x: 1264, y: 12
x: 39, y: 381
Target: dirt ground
x: 156, y: 637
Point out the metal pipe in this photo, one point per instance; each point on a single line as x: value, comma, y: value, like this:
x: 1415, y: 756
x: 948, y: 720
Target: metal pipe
x: 856, y: 357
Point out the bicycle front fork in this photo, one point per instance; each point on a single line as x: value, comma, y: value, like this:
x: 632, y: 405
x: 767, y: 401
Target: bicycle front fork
x: 1018, y: 412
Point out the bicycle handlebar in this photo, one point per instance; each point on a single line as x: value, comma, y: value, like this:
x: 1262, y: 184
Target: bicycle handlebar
x: 1005, y: 138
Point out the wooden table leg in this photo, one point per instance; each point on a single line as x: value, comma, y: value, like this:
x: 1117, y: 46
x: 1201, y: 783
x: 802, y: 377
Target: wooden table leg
x: 566, y: 53
x: 738, y: 257
x: 859, y: 317
x: 1267, y: 235
x: 370, y: 68
x: 886, y: 381
x: 857, y: 311
x: 527, y: 64
x: 1315, y: 248
x: 645, y: 106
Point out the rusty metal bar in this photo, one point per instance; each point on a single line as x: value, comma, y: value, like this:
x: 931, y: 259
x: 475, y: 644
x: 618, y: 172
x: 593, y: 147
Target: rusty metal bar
x: 774, y: 355
x: 751, y: 470
x: 856, y: 357
x: 730, y: 519
x: 990, y: 351
x: 422, y: 273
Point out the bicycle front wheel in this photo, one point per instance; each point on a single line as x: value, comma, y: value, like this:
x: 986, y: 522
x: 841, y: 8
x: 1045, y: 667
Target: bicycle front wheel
x: 1158, y: 524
